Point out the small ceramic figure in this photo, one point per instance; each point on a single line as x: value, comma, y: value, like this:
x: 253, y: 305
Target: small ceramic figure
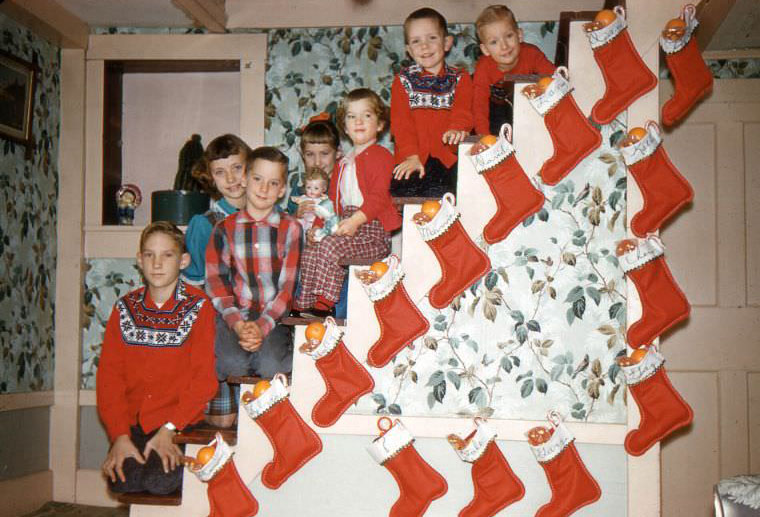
x: 128, y: 198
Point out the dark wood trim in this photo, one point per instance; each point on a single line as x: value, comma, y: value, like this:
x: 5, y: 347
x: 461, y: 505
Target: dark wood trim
x: 165, y: 66
x: 204, y: 433
x: 173, y: 499
x: 113, y: 98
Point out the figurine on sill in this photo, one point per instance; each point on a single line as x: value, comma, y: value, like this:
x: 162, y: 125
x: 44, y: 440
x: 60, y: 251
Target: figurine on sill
x: 128, y: 198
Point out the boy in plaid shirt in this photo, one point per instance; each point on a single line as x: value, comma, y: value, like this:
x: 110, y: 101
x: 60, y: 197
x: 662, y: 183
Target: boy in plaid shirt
x: 251, y: 267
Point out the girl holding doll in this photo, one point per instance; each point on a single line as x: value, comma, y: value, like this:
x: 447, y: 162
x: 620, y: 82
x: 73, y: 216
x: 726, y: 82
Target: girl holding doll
x: 360, y: 192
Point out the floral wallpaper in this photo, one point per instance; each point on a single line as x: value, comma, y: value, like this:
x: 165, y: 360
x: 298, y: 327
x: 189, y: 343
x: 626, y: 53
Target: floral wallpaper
x: 105, y: 281
x: 543, y: 328
x: 28, y: 199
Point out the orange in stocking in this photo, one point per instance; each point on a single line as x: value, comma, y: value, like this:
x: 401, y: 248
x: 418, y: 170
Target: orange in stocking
x: 626, y: 76
x: 692, y: 80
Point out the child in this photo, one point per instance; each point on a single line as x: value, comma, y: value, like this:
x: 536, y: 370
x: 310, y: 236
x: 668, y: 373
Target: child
x: 359, y: 189
x: 315, y: 185
x: 156, y: 370
x: 320, y: 147
x: 502, y: 43
x: 430, y: 110
x: 220, y: 172
x: 251, y: 267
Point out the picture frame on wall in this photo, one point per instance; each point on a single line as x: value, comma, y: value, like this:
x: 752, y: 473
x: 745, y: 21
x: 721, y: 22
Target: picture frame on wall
x: 17, y: 83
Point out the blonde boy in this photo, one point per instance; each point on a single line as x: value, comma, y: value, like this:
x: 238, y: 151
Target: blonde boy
x: 156, y: 370
x: 501, y: 42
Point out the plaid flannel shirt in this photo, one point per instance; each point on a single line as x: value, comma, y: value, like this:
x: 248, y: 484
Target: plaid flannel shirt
x: 251, y: 267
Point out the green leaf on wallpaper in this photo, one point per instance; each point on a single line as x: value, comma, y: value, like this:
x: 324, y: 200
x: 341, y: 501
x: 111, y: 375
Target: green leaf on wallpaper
x: 454, y: 378
x: 439, y: 391
x: 522, y: 334
x: 491, y: 279
x: 541, y: 385
x: 556, y: 372
x: 621, y: 183
x: 570, y: 316
x: 543, y: 215
x: 525, y: 375
x: 478, y: 396
x: 527, y: 388
x: 527, y: 222
x: 436, y: 378
x: 394, y: 409
x: 613, y: 371
x: 616, y: 137
x: 614, y: 198
x: 534, y: 326
x: 615, y: 309
x: 547, y: 27
x: 579, y: 307
x: 594, y: 293
x: 575, y: 294
x: 506, y: 364
x: 378, y: 398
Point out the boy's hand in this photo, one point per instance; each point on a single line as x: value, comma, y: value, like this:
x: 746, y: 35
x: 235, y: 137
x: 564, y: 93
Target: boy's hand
x: 454, y: 136
x: 249, y: 335
x: 167, y: 450
x: 304, y: 208
x: 408, y: 167
x: 121, y: 449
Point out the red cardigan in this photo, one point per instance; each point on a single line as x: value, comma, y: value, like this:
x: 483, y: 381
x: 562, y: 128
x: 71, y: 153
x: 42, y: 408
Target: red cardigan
x: 374, y: 168
x: 530, y: 61
x: 157, y: 365
x: 419, y: 130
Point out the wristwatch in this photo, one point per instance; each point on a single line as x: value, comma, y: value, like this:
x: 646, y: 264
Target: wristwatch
x: 170, y: 427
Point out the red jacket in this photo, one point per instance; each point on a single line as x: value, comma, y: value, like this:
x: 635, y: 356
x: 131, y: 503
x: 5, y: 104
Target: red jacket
x: 418, y: 125
x: 374, y: 168
x: 530, y: 61
x: 157, y: 365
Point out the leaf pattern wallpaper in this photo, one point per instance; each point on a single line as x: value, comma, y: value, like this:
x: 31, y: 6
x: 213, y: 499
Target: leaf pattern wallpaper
x: 29, y: 197
x: 543, y: 328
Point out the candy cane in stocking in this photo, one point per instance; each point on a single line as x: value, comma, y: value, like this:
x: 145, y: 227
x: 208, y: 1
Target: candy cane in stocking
x: 691, y: 77
x: 663, y: 304
x: 662, y: 408
x: 572, y: 485
x: 516, y: 197
x: 401, y: 322
x: 346, y: 380
x: 572, y: 134
x: 227, y: 494
x: 293, y: 441
x: 417, y: 481
x: 496, y: 485
x: 626, y: 76
x: 664, y: 189
x: 461, y: 261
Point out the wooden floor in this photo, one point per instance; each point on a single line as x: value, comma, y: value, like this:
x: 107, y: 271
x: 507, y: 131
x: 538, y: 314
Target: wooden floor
x: 77, y: 510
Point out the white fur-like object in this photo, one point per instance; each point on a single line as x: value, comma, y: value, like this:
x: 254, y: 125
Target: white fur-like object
x: 742, y: 489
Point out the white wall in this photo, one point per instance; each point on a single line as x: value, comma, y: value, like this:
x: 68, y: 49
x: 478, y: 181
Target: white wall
x: 162, y: 111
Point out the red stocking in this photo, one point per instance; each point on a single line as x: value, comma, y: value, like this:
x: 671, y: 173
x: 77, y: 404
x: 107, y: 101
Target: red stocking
x: 663, y: 304
x: 626, y: 76
x: 227, y: 494
x: 691, y: 77
x: 572, y: 134
x: 345, y: 378
x: 516, y: 197
x: 462, y: 262
x: 662, y: 409
x: 572, y: 485
x: 293, y: 441
x: 401, y: 322
x: 496, y: 485
x: 417, y: 481
x: 663, y: 188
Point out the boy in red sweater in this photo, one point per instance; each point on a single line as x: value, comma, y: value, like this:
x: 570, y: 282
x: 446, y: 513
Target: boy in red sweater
x: 156, y: 370
x: 501, y: 42
x: 430, y: 110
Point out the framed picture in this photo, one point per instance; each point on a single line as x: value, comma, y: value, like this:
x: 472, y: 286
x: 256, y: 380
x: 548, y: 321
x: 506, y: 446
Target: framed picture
x: 17, y: 81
